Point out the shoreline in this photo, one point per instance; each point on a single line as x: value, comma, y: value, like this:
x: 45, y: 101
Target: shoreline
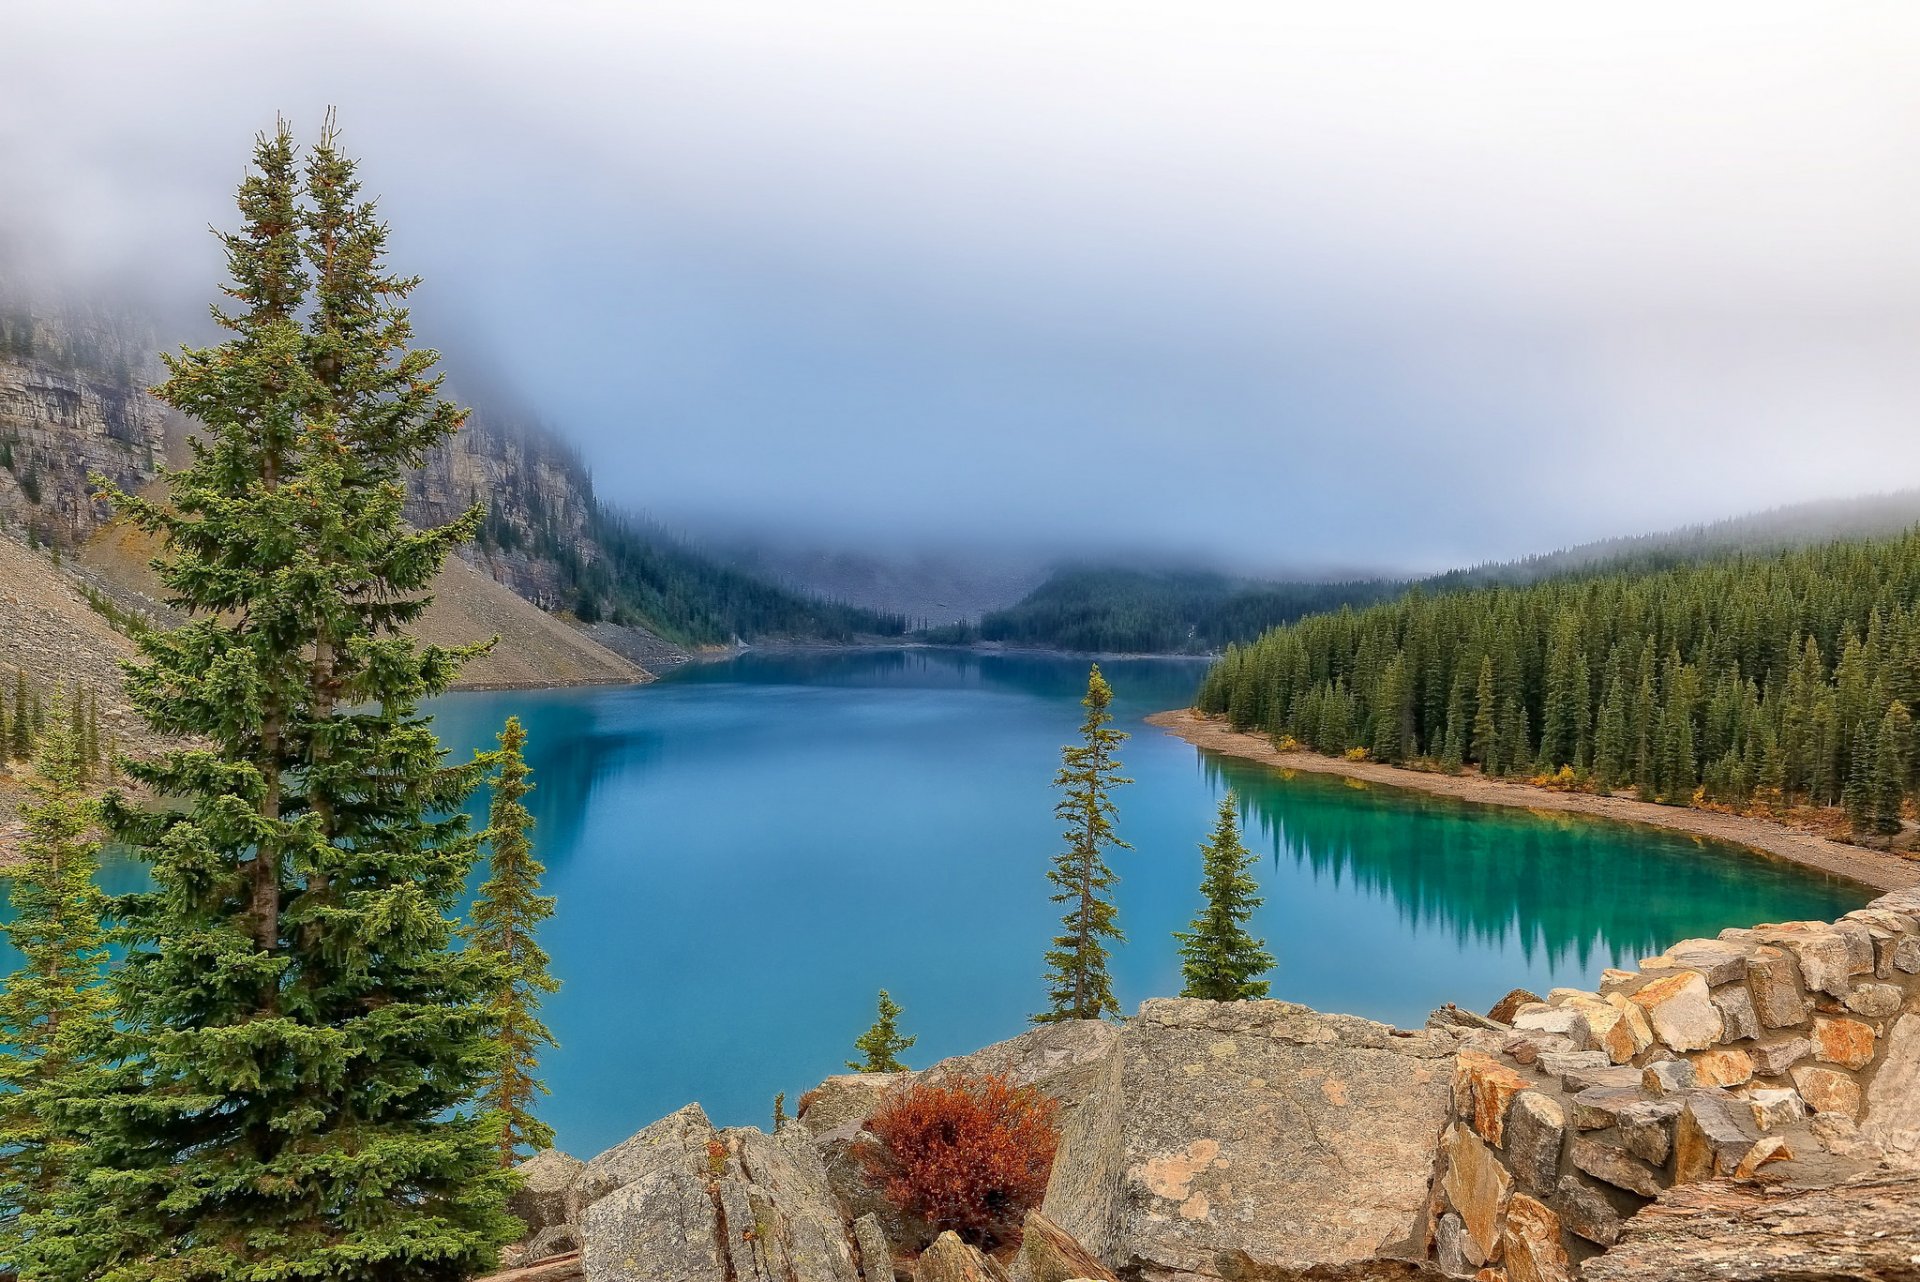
x: 1872, y: 869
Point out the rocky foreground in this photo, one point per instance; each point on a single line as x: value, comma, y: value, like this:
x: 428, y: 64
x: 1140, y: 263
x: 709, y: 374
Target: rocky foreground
x: 1743, y: 1108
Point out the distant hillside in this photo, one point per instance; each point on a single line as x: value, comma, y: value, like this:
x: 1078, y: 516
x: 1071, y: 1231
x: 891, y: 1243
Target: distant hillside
x: 1096, y: 610
x: 928, y: 588
x: 1120, y: 611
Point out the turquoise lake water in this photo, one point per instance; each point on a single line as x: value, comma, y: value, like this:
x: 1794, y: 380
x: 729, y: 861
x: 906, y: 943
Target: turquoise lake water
x: 745, y: 851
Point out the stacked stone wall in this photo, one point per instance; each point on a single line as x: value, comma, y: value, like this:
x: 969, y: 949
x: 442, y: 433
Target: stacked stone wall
x: 1782, y: 1054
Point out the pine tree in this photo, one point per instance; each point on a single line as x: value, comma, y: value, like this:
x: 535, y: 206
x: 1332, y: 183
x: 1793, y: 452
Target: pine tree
x: 1219, y: 959
x: 880, y: 1046
x: 22, y: 717
x: 506, y: 916
x: 53, y: 1009
x: 1486, y: 730
x: 1887, y: 787
x: 1078, y: 985
x: 299, y: 1042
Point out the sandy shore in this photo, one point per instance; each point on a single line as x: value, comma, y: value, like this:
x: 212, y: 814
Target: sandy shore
x: 1874, y: 869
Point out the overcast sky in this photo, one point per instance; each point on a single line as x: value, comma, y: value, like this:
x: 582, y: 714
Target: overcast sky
x: 1336, y: 284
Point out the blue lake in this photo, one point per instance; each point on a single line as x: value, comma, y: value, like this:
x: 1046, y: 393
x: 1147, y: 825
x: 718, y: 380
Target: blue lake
x: 746, y: 851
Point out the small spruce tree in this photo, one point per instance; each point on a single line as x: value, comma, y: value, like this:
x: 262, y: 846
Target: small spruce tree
x: 506, y: 916
x: 53, y: 1009
x: 1219, y: 959
x: 1078, y: 985
x: 880, y: 1046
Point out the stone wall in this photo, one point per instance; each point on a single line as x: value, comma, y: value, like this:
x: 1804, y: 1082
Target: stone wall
x: 1784, y: 1054
x: 1772, y: 1072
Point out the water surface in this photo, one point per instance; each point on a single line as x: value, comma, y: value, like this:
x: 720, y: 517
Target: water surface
x: 744, y: 852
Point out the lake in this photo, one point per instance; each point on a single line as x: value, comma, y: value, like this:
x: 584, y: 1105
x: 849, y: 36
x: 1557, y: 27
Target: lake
x: 744, y: 852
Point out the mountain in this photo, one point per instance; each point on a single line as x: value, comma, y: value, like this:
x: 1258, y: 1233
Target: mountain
x: 73, y: 402
x: 1095, y: 609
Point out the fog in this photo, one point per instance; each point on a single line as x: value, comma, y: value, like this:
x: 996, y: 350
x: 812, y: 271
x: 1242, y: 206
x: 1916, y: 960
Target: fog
x: 1395, y: 285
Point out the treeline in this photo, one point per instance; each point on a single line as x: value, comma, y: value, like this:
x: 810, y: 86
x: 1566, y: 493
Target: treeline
x: 1752, y: 681
x: 1119, y: 611
x: 24, y: 722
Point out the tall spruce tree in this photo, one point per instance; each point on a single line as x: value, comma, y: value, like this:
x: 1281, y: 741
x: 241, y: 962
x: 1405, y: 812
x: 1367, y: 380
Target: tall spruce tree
x: 53, y: 1009
x: 1219, y: 959
x: 506, y: 916
x: 1078, y: 985
x: 299, y: 1042
x: 880, y: 1045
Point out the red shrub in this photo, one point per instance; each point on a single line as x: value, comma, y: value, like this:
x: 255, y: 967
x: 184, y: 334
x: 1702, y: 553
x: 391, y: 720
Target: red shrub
x: 969, y: 1155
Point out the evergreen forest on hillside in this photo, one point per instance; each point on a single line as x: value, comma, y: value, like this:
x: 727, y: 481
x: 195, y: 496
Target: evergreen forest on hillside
x: 1752, y: 681
x: 1131, y: 611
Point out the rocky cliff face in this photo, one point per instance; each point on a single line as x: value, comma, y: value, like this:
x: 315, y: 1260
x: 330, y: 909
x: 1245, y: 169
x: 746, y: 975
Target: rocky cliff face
x: 1740, y: 1108
x: 73, y: 401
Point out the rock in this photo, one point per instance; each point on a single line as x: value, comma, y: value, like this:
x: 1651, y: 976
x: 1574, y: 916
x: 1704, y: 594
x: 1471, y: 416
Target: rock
x: 1647, y: 1129
x: 1619, y: 982
x: 1769, y: 1148
x: 1559, y: 1064
x: 1527, y: 1048
x: 843, y: 1102
x: 545, y: 1197
x: 1827, y: 1090
x: 1720, y: 1231
x: 1484, y: 1087
x: 639, y: 1155
x: 697, y: 1205
x: 1875, y: 1001
x: 554, y: 1240
x: 1712, y: 1136
x: 1680, y: 1011
x: 1450, y: 1245
x: 1562, y: 1020
x: 648, y: 1212
x: 1770, y: 1059
x: 1049, y: 1254
x: 1599, y: 1107
x: 1530, y: 1244
x: 1451, y: 1016
x: 1716, y: 961
x: 1773, y: 1109
x: 1062, y: 1060
x: 1209, y: 1115
x: 564, y: 1268
x: 1725, y: 1066
x: 1611, y: 1166
x: 876, y: 1253
x: 1586, y: 1211
x: 1611, y: 1078
x: 1773, y: 981
x: 1504, y: 1010
x: 1735, y: 1004
x: 1892, y: 1118
x: 1536, y: 1127
x: 1846, y: 1042
x: 1825, y: 954
x: 1668, y: 1077
x: 1478, y: 1187
x: 951, y: 1260
x: 1631, y: 1033
x: 1906, y: 955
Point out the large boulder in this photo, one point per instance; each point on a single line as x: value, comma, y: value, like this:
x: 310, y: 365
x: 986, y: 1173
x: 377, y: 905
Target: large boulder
x: 545, y: 1197
x: 692, y: 1204
x: 1254, y: 1139
x: 1721, y: 1231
